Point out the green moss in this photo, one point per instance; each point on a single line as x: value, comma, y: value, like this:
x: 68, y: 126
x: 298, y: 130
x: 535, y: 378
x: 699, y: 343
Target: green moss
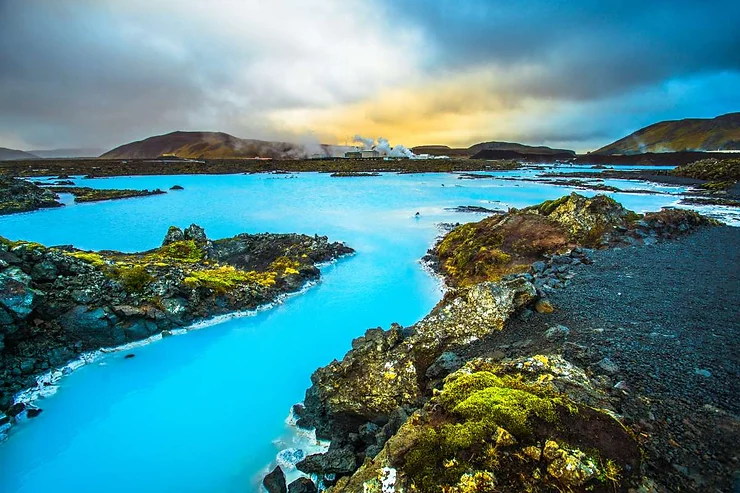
x: 86, y: 194
x: 90, y: 257
x: 134, y: 279
x: 223, y: 279
x: 716, y: 186
x: 507, y: 401
x: 284, y: 265
x: 548, y: 206
x: 183, y: 251
x: 481, y: 403
x: 510, y: 408
x: 717, y: 170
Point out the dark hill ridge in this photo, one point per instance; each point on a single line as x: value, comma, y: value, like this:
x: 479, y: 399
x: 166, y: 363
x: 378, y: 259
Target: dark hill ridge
x: 690, y: 134
x: 14, y: 154
x: 67, y: 153
x: 507, y: 150
x: 204, y: 145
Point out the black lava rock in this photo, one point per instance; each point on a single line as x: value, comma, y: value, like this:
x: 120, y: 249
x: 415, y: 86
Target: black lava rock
x: 275, y: 481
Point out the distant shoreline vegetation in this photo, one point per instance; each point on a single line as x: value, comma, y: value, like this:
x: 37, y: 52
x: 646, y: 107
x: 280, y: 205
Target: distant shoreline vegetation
x: 168, y: 166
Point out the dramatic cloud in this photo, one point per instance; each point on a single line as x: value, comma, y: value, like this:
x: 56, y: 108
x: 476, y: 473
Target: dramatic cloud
x: 580, y: 49
x: 569, y: 73
x: 103, y: 72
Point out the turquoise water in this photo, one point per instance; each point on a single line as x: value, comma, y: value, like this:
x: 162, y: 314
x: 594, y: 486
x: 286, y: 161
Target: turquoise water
x: 199, y: 412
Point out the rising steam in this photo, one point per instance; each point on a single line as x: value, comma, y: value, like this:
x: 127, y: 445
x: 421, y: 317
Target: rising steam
x: 384, y: 147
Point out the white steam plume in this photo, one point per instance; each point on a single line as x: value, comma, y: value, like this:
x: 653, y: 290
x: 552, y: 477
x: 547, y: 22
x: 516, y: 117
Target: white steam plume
x: 384, y: 147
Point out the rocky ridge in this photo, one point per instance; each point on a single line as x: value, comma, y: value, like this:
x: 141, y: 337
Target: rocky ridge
x: 23, y: 196
x: 418, y: 409
x: 59, y: 302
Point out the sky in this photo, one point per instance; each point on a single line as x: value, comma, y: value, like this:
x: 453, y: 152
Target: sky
x: 577, y: 74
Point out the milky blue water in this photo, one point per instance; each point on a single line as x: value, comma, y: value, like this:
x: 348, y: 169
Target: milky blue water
x: 199, y: 412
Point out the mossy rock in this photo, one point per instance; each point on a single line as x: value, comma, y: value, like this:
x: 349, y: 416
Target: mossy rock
x: 500, y: 428
x: 716, y: 170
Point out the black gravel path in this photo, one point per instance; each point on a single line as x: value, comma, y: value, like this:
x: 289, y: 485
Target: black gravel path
x: 666, y: 319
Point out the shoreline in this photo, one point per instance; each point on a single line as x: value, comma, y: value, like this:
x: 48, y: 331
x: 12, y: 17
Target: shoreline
x: 46, y: 382
x: 338, y: 401
x: 82, y: 305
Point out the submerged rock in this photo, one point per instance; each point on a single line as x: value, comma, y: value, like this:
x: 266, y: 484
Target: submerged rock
x: 275, y: 481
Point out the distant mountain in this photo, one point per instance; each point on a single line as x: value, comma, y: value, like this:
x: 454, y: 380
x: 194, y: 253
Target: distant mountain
x: 492, y: 148
x: 215, y: 145
x: 14, y: 154
x: 690, y: 134
x: 67, y: 153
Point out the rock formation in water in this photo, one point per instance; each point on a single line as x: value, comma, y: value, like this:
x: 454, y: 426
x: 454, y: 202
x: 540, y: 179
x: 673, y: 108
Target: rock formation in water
x: 57, y: 302
x: 406, y: 412
x: 22, y: 196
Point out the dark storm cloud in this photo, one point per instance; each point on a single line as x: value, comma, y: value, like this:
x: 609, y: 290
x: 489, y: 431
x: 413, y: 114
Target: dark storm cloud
x: 583, y: 49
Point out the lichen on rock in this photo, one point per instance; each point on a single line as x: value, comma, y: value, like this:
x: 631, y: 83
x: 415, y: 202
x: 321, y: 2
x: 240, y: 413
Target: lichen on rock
x: 496, y: 428
x: 58, y: 302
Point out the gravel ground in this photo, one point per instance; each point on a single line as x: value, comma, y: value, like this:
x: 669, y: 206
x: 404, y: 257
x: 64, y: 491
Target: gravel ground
x: 661, y: 324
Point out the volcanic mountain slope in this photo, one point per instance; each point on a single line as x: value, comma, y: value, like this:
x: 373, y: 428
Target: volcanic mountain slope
x: 209, y: 145
x: 437, y: 150
x: 68, y: 153
x: 14, y: 154
x: 690, y: 134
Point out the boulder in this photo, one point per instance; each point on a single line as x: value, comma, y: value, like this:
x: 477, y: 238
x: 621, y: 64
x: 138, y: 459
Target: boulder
x: 139, y: 329
x: 368, y: 432
x: 275, y: 481
x: 173, y: 234
x: 384, y: 369
x: 16, y: 293
x: 544, y: 305
x: 92, y: 325
x: 175, y: 308
x: 444, y: 365
x: 44, y: 271
x: 196, y: 233
x: 302, y: 485
x: 341, y: 461
x: 557, y: 332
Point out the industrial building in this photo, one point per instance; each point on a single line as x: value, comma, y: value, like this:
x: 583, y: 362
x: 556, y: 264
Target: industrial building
x: 365, y: 153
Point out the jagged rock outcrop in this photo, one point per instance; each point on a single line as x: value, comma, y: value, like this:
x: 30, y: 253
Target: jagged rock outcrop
x: 58, y: 302
x: 385, y: 370
x: 275, y: 481
x: 413, y: 415
x: 510, y: 243
x: 521, y: 425
x: 20, y: 196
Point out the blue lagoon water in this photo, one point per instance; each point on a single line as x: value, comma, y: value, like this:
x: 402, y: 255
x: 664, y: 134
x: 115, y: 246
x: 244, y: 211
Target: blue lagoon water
x: 200, y: 412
